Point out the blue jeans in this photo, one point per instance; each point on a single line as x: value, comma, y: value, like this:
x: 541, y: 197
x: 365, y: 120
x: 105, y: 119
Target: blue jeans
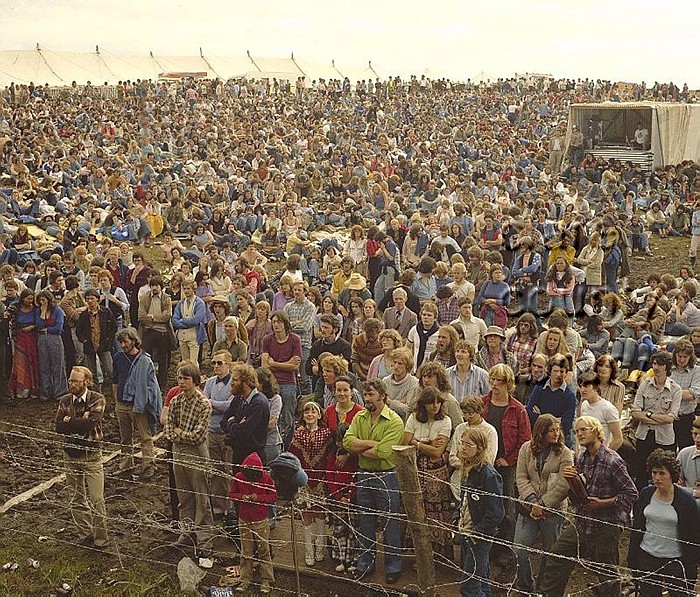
x: 563, y: 302
x: 288, y: 392
x: 475, y: 567
x: 384, y: 283
x: 526, y: 530
x: 378, y: 493
x: 527, y: 299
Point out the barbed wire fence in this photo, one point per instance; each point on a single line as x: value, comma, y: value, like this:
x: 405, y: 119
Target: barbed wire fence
x: 140, y: 521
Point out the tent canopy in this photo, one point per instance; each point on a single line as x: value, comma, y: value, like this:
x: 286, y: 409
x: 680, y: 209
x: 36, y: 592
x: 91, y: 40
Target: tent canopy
x: 44, y: 66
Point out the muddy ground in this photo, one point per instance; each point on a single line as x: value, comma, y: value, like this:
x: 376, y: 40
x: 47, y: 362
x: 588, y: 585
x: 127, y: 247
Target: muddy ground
x: 141, y: 560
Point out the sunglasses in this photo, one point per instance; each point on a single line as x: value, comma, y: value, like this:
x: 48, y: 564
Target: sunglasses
x: 219, y: 362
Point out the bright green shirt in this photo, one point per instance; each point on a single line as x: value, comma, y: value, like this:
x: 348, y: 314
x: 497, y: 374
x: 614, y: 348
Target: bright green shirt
x: 387, y: 430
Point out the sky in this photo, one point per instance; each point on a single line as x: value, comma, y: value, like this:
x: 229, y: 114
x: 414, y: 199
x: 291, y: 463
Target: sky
x: 610, y: 39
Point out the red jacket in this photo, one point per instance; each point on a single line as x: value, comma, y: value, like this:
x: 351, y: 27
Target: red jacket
x: 515, y: 430
x: 263, y: 488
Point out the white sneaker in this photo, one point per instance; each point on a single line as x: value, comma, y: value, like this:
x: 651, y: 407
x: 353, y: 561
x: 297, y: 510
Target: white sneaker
x: 340, y: 568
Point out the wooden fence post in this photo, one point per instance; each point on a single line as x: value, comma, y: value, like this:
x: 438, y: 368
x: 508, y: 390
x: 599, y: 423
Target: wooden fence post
x: 415, y: 512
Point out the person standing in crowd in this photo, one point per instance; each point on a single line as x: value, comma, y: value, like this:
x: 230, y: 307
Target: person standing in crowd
x: 24, y: 378
x: 52, y: 365
x: 217, y: 389
x: 473, y: 328
x: 422, y: 339
x: 429, y: 429
x: 655, y: 407
x: 666, y: 526
x: 480, y: 514
x: 246, y: 420
x: 329, y: 342
x: 95, y: 329
x: 399, y: 317
x: 689, y: 459
x: 608, y: 496
x: 466, y: 378
x: 508, y: 416
x: 270, y: 388
x: 253, y: 491
x: 311, y: 444
x: 138, y: 277
x: 281, y: 353
x: 494, y: 352
x: 156, y: 328
x: 189, y: 319
x: 73, y: 304
x: 301, y: 312
x: 593, y: 405
x: 113, y: 297
x: 365, y: 347
x: 79, y: 419
x: 138, y: 402
x: 186, y: 427
x: 543, y: 491
x: 555, y: 397
x: 687, y: 376
x: 371, y: 436
x: 472, y: 409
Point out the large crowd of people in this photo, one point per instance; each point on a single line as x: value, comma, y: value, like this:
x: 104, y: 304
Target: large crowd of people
x: 361, y: 266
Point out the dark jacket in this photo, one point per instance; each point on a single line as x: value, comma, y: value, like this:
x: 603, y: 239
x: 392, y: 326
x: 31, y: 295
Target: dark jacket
x: 688, y: 526
x: 245, y: 423
x: 339, y: 347
x: 483, y: 490
x: 108, y: 328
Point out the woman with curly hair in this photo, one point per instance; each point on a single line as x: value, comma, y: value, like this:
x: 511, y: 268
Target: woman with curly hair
x: 429, y: 430
x: 613, y: 314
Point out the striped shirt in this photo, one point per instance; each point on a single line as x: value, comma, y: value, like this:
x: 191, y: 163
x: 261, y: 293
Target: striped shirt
x: 475, y: 384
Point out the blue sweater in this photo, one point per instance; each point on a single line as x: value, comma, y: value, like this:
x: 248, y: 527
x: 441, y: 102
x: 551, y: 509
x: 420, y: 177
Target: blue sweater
x: 561, y: 404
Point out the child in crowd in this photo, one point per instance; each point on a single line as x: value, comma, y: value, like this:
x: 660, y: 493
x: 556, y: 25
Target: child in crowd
x: 253, y: 492
x: 310, y: 444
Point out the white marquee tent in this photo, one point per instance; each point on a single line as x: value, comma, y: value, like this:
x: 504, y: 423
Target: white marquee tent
x: 42, y: 65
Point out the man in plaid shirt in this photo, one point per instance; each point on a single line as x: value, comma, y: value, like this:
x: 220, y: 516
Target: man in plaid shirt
x: 600, y: 517
x: 187, y: 426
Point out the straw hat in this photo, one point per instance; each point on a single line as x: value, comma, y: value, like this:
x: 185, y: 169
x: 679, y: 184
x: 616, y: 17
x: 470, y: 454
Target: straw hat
x: 356, y: 282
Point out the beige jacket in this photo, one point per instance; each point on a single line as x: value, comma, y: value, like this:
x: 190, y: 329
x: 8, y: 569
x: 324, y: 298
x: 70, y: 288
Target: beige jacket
x: 550, y: 487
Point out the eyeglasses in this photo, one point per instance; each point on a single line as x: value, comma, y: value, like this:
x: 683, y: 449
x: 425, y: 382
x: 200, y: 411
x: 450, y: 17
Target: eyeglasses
x: 219, y: 362
x: 469, y: 444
